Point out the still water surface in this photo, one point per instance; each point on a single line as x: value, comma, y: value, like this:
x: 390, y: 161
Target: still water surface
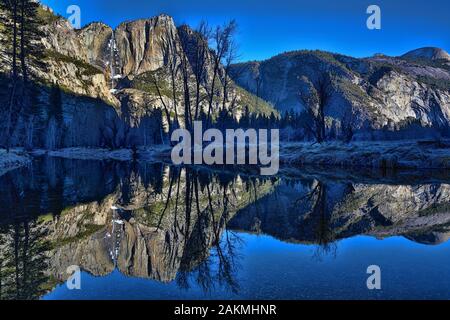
x: 198, y: 234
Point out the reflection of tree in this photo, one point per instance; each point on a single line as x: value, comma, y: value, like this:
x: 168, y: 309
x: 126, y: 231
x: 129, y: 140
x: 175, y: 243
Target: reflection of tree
x: 324, y: 233
x: 23, y: 252
x: 200, y: 205
x: 23, y: 261
x: 319, y: 219
x: 218, y: 270
x: 226, y: 252
x: 190, y: 211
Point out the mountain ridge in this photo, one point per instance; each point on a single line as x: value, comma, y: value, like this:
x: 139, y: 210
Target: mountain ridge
x: 432, y: 53
x: 139, y: 46
x: 369, y: 98
x: 96, y: 65
x: 367, y: 94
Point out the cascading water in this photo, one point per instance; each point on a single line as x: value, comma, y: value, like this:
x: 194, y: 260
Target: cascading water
x: 114, y: 62
x: 116, y: 236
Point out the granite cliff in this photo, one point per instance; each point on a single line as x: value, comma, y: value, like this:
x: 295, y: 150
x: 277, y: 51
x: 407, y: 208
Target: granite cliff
x: 366, y: 95
x: 106, y: 76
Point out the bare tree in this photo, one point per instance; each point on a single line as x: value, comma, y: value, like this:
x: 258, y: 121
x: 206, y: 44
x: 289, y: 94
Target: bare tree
x: 156, y: 80
x: 199, y: 60
x: 315, y: 98
x: 186, y: 76
x: 230, y: 57
x: 222, y: 45
x: 171, y: 54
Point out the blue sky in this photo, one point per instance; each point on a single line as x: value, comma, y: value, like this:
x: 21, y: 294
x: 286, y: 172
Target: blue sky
x: 269, y: 27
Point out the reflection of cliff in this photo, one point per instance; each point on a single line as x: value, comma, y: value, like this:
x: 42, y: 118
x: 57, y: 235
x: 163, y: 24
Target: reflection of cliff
x: 172, y: 222
x: 318, y: 212
x: 386, y: 210
x: 171, y: 218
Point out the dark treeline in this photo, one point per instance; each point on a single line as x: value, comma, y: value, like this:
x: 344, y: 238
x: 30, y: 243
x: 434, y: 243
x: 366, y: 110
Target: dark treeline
x: 20, y: 43
x: 293, y: 126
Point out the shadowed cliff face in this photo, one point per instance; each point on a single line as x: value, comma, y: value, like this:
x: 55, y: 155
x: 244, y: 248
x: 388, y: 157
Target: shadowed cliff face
x: 114, y: 84
x: 58, y: 213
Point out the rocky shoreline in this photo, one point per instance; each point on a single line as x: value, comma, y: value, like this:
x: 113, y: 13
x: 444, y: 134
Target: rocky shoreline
x: 87, y: 154
x: 13, y: 160
x: 369, y: 154
x: 373, y: 155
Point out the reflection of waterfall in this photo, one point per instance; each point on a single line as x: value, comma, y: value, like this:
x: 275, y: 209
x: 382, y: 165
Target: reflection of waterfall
x: 116, y: 236
x: 175, y: 223
x: 114, y: 62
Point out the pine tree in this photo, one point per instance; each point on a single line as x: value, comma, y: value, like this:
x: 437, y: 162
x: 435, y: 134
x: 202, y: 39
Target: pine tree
x: 20, y: 43
x: 9, y: 9
x: 31, y: 49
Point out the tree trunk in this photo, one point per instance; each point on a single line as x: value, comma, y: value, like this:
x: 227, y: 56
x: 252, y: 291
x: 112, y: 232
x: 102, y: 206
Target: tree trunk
x: 22, y: 42
x: 14, y: 79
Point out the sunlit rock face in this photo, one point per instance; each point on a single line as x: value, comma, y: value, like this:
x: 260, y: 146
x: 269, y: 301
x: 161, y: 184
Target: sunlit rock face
x: 61, y: 37
x: 140, y: 44
x: 135, y: 48
x: 370, y: 93
x: 108, y: 75
x: 77, y: 59
x: 373, y: 98
x: 430, y: 53
x: 95, y: 39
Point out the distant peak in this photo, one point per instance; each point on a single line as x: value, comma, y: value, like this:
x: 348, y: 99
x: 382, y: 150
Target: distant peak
x: 430, y: 53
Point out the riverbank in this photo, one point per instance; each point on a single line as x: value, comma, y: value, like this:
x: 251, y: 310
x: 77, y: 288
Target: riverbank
x: 371, y: 154
x: 87, y: 154
x: 403, y: 154
x: 13, y: 160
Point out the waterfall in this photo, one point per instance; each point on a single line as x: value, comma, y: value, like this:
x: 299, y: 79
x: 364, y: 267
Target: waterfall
x: 114, y: 62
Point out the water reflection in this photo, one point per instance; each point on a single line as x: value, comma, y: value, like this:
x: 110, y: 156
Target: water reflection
x: 183, y: 226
